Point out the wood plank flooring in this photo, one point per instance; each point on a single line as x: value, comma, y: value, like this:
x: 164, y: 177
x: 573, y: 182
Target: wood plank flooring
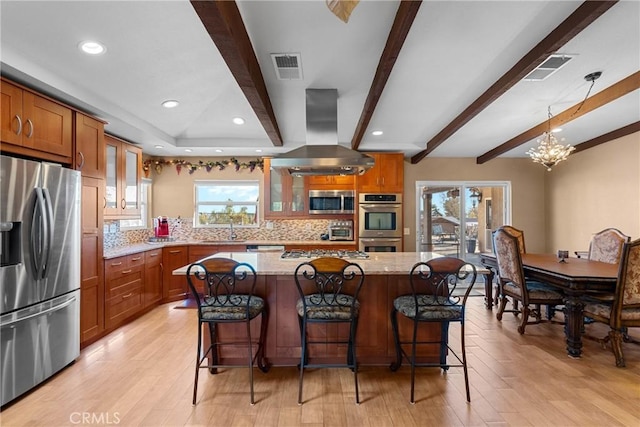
x: 142, y: 375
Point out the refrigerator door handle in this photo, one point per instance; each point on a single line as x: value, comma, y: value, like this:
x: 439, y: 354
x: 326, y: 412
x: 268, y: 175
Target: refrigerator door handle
x: 48, y: 221
x: 41, y: 233
x: 40, y: 313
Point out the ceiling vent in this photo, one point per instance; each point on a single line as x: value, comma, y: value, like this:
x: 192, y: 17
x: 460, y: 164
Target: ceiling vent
x: 288, y: 66
x: 548, y: 67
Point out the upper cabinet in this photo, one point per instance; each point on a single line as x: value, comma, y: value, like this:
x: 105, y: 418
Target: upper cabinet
x: 387, y: 176
x: 35, y: 126
x: 90, y: 152
x: 331, y: 182
x: 285, y: 195
x: 123, y: 179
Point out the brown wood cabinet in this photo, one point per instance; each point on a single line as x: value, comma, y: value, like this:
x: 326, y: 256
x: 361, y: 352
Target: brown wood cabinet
x: 123, y: 179
x: 124, y: 278
x: 91, y: 261
x: 387, y: 176
x: 285, y: 195
x: 152, y: 277
x: 174, y: 288
x: 331, y: 182
x: 90, y: 149
x: 34, y: 125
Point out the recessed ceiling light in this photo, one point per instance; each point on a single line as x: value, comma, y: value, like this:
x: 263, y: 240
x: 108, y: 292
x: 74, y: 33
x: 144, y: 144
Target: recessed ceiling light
x: 556, y: 130
x: 218, y: 150
x: 159, y: 146
x: 92, y: 47
x: 377, y: 132
x: 188, y: 150
x: 258, y: 150
x: 170, y: 103
x: 238, y: 120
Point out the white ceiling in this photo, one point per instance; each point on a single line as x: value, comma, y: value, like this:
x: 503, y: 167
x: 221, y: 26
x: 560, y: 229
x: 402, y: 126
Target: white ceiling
x: 454, y: 51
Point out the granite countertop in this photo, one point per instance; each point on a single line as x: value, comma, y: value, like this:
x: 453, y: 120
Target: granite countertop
x: 146, y: 246
x: 270, y: 263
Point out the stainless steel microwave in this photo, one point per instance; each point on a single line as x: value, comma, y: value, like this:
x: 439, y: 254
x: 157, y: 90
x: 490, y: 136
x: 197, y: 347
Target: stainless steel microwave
x: 331, y: 202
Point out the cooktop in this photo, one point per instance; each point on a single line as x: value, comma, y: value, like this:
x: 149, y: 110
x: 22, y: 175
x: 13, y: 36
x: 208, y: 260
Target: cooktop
x: 317, y: 253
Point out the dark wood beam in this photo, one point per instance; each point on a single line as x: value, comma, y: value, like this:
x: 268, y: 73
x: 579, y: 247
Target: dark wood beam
x: 610, y: 136
x: 623, y: 87
x: 580, y: 19
x: 223, y: 22
x: 405, y: 15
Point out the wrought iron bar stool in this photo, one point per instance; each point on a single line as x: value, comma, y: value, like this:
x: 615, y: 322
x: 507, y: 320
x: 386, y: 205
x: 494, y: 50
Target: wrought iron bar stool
x: 228, y: 297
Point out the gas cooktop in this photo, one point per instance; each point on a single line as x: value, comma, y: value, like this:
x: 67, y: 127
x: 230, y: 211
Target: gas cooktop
x: 317, y: 253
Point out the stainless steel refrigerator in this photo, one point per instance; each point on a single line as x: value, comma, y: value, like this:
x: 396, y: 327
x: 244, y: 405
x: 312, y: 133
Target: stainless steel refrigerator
x: 39, y: 272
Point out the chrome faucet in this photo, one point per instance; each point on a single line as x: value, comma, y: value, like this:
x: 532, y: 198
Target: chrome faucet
x: 232, y: 235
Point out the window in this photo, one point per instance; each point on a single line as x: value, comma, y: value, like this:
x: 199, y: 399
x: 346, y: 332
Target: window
x: 219, y: 203
x: 145, y: 209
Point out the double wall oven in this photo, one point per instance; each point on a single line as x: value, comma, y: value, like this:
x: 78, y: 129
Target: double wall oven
x: 380, y: 220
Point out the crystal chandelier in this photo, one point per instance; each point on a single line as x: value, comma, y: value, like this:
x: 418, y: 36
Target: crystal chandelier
x: 549, y: 151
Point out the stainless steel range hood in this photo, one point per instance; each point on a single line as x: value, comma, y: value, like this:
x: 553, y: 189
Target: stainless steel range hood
x: 322, y: 155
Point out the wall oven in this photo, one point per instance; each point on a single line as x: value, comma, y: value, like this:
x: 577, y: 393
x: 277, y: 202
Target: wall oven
x: 380, y: 215
x: 380, y: 244
x: 331, y: 202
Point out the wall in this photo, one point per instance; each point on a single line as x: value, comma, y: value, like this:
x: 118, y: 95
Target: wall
x: 593, y: 190
x: 527, y: 191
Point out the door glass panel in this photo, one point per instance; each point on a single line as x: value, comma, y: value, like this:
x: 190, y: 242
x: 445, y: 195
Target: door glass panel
x: 111, y: 178
x: 131, y: 178
x: 276, y: 187
x: 298, y: 196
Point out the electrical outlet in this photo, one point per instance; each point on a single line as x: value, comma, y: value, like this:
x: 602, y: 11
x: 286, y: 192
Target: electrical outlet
x: 269, y: 225
x: 307, y: 226
x: 407, y: 231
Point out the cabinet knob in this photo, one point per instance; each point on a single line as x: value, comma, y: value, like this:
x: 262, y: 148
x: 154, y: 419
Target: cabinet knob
x: 81, y: 163
x: 30, y: 123
x: 123, y: 204
x: 19, y: 131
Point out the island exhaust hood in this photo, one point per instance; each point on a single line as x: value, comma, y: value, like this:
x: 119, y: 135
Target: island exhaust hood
x: 322, y: 155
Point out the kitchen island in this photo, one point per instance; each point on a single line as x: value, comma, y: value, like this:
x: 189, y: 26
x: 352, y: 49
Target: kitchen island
x: 386, y: 278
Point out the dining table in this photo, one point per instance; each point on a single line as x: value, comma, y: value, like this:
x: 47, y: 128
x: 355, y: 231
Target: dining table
x: 574, y: 277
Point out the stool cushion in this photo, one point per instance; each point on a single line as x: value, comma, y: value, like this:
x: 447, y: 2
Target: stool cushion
x: 331, y: 307
x: 233, y: 307
x: 429, y: 308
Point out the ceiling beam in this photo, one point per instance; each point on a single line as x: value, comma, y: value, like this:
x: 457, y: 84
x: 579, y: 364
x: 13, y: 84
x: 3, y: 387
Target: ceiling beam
x: 223, y: 22
x: 405, y: 15
x: 610, y: 136
x: 580, y: 19
x: 623, y: 87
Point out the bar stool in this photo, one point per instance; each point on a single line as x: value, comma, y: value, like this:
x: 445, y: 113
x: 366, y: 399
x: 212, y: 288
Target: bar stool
x: 328, y: 288
x: 228, y: 297
x: 432, y: 301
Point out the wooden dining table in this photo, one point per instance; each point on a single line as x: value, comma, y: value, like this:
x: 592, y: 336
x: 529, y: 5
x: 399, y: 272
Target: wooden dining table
x: 575, y: 277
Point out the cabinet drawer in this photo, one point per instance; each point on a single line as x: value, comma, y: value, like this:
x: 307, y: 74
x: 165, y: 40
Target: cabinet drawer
x: 123, y: 282
x: 153, y: 257
x: 124, y: 262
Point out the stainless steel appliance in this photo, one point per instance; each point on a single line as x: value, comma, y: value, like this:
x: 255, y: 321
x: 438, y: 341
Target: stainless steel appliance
x: 39, y: 272
x: 340, y: 230
x: 300, y: 254
x: 380, y: 219
x: 331, y: 201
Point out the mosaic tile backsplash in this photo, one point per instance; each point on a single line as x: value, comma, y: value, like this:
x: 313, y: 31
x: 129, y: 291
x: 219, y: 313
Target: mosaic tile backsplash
x: 182, y: 229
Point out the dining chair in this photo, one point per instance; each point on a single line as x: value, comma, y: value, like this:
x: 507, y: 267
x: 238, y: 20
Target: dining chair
x: 224, y: 290
x: 519, y: 234
x: 514, y: 285
x: 432, y: 300
x: 623, y: 311
x: 605, y: 246
x: 328, y: 289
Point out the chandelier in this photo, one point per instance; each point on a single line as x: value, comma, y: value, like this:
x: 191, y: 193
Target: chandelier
x: 549, y: 151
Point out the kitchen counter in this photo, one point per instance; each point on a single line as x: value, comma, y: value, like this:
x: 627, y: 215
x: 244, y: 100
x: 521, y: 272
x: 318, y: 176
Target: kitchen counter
x: 145, y: 246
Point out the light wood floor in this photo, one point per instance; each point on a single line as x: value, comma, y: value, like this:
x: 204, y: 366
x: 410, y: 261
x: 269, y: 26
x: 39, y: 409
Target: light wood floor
x: 142, y: 374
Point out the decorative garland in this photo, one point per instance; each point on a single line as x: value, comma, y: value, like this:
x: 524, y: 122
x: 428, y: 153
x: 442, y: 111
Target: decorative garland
x: 191, y: 167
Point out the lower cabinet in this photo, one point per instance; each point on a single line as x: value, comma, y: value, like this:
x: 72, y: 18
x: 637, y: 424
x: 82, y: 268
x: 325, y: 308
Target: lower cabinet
x: 124, y: 278
x: 174, y: 288
x: 152, y: 277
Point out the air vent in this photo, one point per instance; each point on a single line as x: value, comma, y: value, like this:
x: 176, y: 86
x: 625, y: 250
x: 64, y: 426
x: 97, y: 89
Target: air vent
x: 288, y: 66
x: 548, y: 67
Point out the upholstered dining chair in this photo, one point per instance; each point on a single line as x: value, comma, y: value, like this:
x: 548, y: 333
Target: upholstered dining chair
x: 605, y: 246
x: 328, y: 288
x: 228, y: 297
x: 519, y: 234
x: 623, y: 311
x: 515, y: 286
x: 432, y: 301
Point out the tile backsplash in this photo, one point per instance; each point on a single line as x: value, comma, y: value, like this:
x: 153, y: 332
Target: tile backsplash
x: 182, y: 229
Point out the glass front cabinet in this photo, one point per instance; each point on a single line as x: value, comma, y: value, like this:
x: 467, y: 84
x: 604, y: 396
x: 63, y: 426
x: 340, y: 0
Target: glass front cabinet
x: 123, y: 179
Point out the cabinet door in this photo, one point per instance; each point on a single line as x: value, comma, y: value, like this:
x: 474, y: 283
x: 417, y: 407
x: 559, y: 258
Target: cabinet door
x: 123, y: 179
x: 132, y: 176
x: 285, y: 195
x: 90, y: 152
x: 47, y: 125
x: 111, y: 179
x: 369, y: 182
x: 11, y: 119
x: 174, y: 287
x: 387, y: 176
x: 91, y: 264
x: 152, y: 277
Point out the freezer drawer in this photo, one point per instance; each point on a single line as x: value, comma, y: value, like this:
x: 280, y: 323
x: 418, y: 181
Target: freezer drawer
x: 37, y: 342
